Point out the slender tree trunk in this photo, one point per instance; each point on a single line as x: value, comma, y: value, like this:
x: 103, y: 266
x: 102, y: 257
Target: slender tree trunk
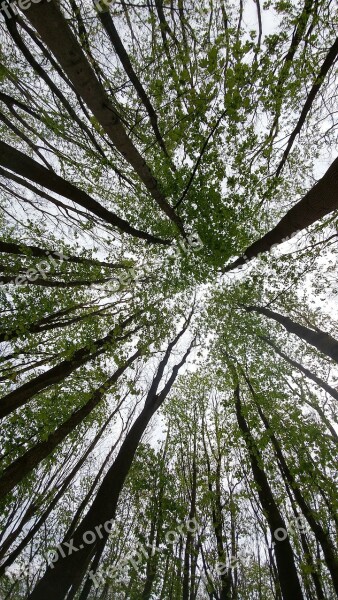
x: 57, y: 581
x: 329, y: 551
x: 28, y: 251
x: 42, y: 519
x: 321, y: 340
x: 287, y: 572
x: 113, y: 35
x: 315, y: 575
x: 307, y: 372
x: 329, y: 61
x: 320, y: 201
x: 217, y: 520
x: 54, y: 31
x: 40, y: 326
x: 156, y: 526
x: 188, y: 590
x: 25, y: 392
x: 23, y: 465
x: 23, y: 165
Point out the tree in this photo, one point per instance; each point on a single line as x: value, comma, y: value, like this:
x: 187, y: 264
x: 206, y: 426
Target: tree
x: 147, y: 150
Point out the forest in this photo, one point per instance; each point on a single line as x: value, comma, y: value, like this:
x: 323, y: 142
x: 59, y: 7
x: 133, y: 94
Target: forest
x: 168, y: 300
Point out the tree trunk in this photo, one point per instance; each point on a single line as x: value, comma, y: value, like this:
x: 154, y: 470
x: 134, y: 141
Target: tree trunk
x: 113, y: 35
x: 297, y: 365
x: 287, y: 572
x: 217, y: 521
x: 28, y: 251
x: 54, y: 31
x: 23, y: 165
x: 23, y: 465
x: 324, y: 540
x: 321, y: 340
x: 57, y: 581
x: 321, y: 200
x: 25, y: 392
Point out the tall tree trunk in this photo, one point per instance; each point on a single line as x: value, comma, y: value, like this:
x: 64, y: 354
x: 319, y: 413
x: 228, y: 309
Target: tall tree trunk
x: 64, y: 487
x: 320, y: 201
x: 113, y: 35
x: 287, y: 572
x: 330, y: 390
x: 329, y: 61
x: 156, y: 526
x: 217, y: 521
x: 10, y: 402
x: 57, y: 581
x: 23, y: 465
x: 33, y: 508
x: 41, y: 326
x: 28, y: 251
x: 23, y: 165
x: 54, y: 31
x: 188, y: 587
x: 315, y: 575
x: 321, y: 340
x: 329, y: 551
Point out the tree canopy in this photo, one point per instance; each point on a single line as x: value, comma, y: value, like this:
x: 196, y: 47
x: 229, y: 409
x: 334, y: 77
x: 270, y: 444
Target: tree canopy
x: 168, y: 294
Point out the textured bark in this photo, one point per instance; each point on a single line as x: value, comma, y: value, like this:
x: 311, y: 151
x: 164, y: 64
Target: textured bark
x: 56, y: 582
x: 23, y: 465
x: 54, y: 31
x: 23, y: 165
x: 330, y: 390
x: 321, y: 200
x: 321, y: 340
x: 287, y: 572
x: 10, y: 402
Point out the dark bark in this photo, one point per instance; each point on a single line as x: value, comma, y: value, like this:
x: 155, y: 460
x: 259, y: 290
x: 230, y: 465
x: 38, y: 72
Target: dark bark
x: 113, y: 35
x: 28, y: 251
x: 12, y: 28
x: 324, y: 540
x: 188, y: 581
x: 49, y: 283
x: 217, y: 521
x: 156, y: 526
x: 330, y: 390
x: 42, y: 519
x: 321, y: 340
x: 297, y: 38
x: 23, y: 165
x: 321, y: 200
x: 287, y: 572
x: 314, y: 571
x: 34, y: 506
x: 23, y: 465
x: 54, y: 31
x: 25, y: 392
x: 57, y: 581
x: 329, y: 61
x: 39, y: 327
